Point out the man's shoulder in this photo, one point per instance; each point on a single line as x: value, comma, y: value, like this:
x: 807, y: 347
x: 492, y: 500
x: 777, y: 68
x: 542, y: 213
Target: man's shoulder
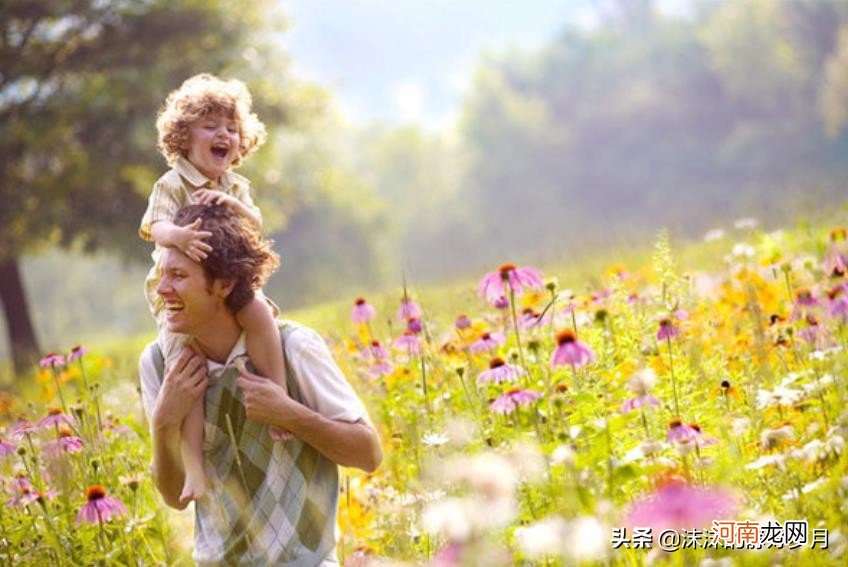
x: 150, y: 361
x: 297, y: 334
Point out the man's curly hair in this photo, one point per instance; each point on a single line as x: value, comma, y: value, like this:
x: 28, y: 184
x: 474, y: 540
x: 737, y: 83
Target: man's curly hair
x: 239, y: 253
x: 200, y: 96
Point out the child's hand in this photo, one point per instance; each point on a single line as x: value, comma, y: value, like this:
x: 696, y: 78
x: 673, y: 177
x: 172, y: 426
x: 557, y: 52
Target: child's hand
x: 190, y: 240
x: 209, y: 197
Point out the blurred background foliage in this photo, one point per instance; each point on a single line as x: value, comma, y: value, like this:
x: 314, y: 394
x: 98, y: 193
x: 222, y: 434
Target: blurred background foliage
x: 591, y: 142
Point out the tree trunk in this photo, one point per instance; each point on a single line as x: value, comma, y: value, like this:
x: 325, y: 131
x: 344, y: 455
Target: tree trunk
x: 22, y: 339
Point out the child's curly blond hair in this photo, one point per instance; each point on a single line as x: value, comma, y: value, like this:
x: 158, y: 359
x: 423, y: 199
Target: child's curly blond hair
x: 199, y: 96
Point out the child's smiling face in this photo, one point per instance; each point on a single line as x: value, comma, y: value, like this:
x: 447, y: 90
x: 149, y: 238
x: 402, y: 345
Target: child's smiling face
x: 213, y: 143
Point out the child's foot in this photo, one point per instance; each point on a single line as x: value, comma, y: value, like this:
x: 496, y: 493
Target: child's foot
x: 280, y: 435
x: 192, y: 492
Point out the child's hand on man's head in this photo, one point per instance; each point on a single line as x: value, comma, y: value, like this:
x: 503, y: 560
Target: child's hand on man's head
x: 189, y: 239
x: 209, y: 197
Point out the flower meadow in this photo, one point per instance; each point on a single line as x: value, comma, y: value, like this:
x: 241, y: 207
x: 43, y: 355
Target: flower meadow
x: 651, y: 415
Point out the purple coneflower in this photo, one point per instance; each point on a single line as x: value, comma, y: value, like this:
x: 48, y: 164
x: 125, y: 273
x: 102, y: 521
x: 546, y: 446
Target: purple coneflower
x: 380, y: 368
x: 6, y: 448
x: 362, y: 311
x: 413, y: 324
x: 22, y: 428
x: 462, y: 322
x: 493, y: 286
x: 409, y: 342
x: 640, y: 402
x: 487, y: 341
x: 701, y: 438
x: 501, y: 303
x: 508, y: 401
x: 377, y: 350
x: 76, y: 353
x: 100, y: 507
x: 680, y: 433
x: 52, y: 360
x: 66, y: 442
x: 805, y: 303
x: 499, y: 371
x: 55, y: 417
x: 837, y: 304
x: 677, y: 505
x: 667, y: 329
x: 529, y: 318
x: 408, y: 309
x: 571, y: 351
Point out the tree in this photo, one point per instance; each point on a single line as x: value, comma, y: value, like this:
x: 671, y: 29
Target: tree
x: 80, y: 84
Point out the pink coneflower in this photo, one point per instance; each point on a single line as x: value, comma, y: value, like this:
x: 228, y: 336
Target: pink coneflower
x: 408, y: 342
x: 493, y: 286
x: 805, y: 303
x: 377, y: 351
x: 677, y: 506
x: 462, y: 322
x: 413, y: 324
x: 66, y: 442
x: 487, y: 341
x: 22, y: 428
x: 680, y: 433
x: 362, y: 311
x: 701, y: 438
x: 501, y: 303
x: 571, y: 351
x: 510, y: 400
x: 815, y: 334
x: 529, y: 318
x: 55, y: 417
x: 667, y: 329
x: 499, y: 371
x: 408, y: 309
x: 100, y: 507
x: 380, y: 368
x: 835, y: 260
x: 52, y: 360
x: 76, y: 353
x: 640, y: 402
x: 6, y: 448
x: 837, y: 303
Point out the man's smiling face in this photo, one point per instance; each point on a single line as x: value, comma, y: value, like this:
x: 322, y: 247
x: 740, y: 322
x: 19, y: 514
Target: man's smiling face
x: 190, y: 301
x: 213, y: 144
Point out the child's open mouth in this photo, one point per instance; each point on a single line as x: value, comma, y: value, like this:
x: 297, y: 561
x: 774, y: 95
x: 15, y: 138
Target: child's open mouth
x: 220, y: 151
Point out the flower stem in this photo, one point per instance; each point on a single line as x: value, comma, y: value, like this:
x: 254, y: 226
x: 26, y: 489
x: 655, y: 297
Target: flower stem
x: 515, y: 328
x: 673, y: 378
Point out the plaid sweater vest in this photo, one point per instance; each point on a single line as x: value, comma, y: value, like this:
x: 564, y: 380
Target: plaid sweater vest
x: 270, y: 503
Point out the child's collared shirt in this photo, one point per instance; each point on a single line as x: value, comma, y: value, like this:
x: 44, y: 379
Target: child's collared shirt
x: 172, y: 192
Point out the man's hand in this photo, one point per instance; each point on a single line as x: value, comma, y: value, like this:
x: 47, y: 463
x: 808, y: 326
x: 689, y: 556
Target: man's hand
x: 264, y: 400
x: 185, y: 381
x: 348, y: 444
x: 210, y: 197
x: 189, y: 239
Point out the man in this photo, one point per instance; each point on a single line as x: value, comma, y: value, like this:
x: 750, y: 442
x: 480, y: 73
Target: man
x: 270, y: 503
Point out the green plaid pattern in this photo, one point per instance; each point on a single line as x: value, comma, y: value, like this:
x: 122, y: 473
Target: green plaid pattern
x: 270, y: 503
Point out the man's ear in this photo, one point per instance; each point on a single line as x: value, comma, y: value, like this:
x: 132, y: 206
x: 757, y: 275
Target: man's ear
x: 223, y: 288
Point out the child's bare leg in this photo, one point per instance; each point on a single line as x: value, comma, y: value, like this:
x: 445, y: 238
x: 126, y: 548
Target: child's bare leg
x: 195, y: 485
x: 263, y: 347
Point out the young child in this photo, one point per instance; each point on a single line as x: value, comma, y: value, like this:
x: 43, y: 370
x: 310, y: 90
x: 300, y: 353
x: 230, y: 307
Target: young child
x: 205, y: 129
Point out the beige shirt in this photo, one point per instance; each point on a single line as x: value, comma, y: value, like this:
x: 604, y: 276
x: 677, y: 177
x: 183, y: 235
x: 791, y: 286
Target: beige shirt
x: 172, y: 192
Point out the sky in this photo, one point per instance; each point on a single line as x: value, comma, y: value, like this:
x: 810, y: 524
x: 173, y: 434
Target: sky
x: 402, y: 61
x: 411, y: 60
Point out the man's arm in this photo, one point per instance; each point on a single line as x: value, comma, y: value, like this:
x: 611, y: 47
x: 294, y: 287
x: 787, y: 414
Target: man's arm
x: 347, y: 444
x: 184, y: 383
